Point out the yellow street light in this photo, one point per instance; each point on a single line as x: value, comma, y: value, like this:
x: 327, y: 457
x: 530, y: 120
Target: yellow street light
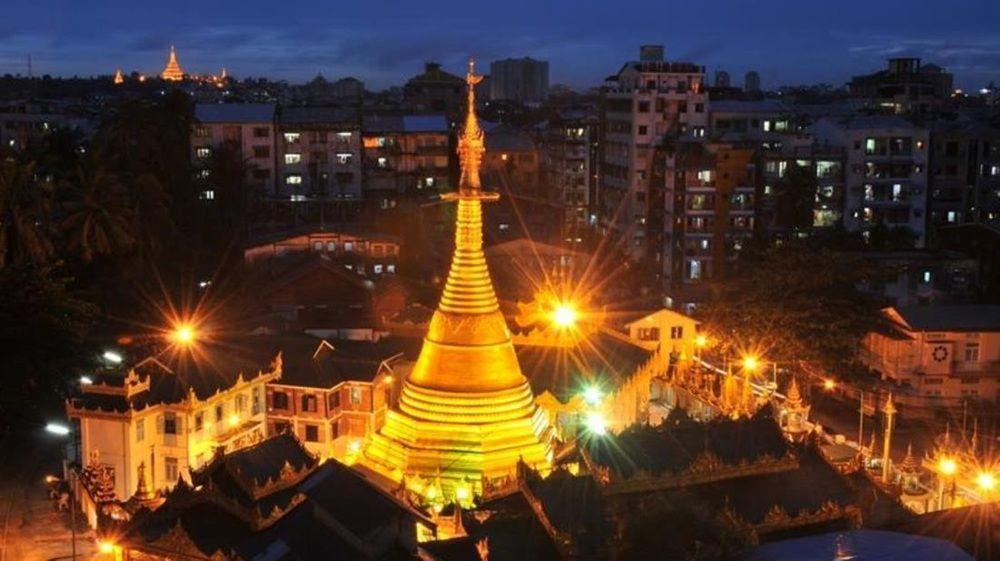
x: 105, y: 546
x: 750, y: 363
x: 947, y: 466
x: 701, y: 341
x: 183, y: 334
x: 234, y: 420
x: 564, y: 315
x: 986, y: 481
x: 592, y: 395
x: 829, y: 384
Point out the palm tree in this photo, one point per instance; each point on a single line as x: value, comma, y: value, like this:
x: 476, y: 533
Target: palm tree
x: 25, y: 207
x: 98, y: 220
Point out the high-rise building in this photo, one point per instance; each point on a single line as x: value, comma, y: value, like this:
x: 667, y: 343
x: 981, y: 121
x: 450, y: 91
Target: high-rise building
x: 570, y: 170
x: 751, y: 83
x: 319, y: 153
x: 645, y: 103
x: 466, y: 412
x: 964, y: 174
x: 173, y: 70
x: 885, y: 176
x: 403, y: 155
x: 721, y: 79
x: 519, y: 79
x: 434, y: 91
x: 905, y: 86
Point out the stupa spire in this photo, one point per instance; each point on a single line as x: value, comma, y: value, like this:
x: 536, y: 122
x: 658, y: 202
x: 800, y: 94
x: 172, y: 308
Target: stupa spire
x: 471, y: 145
x: 119, y: 79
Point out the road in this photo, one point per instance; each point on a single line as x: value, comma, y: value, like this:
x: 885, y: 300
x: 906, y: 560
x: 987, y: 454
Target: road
x: 30, y: 527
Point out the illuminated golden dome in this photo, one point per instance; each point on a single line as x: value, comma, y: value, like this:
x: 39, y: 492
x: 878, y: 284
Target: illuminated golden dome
x: 173, y: 70
x: 465, y: 411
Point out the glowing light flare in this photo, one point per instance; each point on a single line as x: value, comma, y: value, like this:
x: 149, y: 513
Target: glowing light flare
x: 354, y: 447
x: 750, y: 363
x: 592, y: 395
x: 701, y: 341
x: 106, y: 546
x: 183, y: 334
x: 112, y: 357
x: 597, y: 424
x: 829, y: 384
x: 986, y: 481
x: 86, y: 380
x: 234, y: 420
x: 564, y: 315
x: 947, y: 466
x: 57, y: 429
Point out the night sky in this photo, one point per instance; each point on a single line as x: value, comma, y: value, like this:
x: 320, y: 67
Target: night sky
x: 383, y: 42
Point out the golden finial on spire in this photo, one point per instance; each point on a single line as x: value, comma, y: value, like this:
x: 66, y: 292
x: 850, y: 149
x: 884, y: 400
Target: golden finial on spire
x: 471, y: 145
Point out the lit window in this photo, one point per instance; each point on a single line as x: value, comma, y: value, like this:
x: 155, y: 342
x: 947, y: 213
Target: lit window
x: 390, y: 268
x: 378, y: 268
x: 292, y: 137
x: 429, y: 181
x: 204, y: 152
x: 344, y: 157
x: 140, y: 430
x: 952, y: 216
x: 972, y: 352
x: 312, y: 433
x: 170, y: 469
x: 293, y: 179
x: 383, y: 162
x: 293, y: 158
x: 767, y: 126
x: 355, y: 395
x: 503, y: 157
x: 207, y: 195
x: 348, y: 246
x: 344, y: 136
x: 705, y: 175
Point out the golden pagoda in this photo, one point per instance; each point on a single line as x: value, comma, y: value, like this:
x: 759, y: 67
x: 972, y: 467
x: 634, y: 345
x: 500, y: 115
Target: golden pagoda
x: 173, y: 71
x: 119, y: 79
x: 466, y: 412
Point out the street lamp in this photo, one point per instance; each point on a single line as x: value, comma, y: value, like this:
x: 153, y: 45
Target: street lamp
x: 750, y: 363
x: 564, y: 315
x: 57, y: 429
x: 829, y: 384
x: 597, y: 424
x: 986, y: 481
x: 946, y: 467
x: 592, y: 395
x: 183, y: 334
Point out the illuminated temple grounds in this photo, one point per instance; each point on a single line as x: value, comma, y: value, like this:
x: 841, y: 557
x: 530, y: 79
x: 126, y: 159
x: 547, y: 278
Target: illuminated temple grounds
x: 466, y: 412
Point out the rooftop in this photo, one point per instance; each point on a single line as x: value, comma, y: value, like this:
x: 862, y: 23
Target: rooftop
x: 406, y: 123
x: 234, y: 112
x: 951, y: 318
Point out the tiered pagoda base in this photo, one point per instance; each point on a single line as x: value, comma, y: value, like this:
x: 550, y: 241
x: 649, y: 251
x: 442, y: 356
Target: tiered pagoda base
x: 462, y: 436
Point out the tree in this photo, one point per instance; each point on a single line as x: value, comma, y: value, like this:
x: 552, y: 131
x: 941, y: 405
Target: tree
x: 794, y: 198
x: 43, y: 326
x: 98, y: 218
x: 794, y: 303
x: 25, y: 207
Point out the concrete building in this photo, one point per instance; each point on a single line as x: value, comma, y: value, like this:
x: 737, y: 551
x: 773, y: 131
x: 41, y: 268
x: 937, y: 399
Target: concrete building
x: 24, y: 121
x: 905, y: 86
x: 435, y: 91
x: 751, y: 82
x: 948, y: 354
x: 645, y: 102
x: 570, y: 153
x: 249, y: 128
x: 964, y: 174
x: 885, y: 173
x: 709, y: 201
x: 826, y: 164
x: 319, y: 154
x: 519, y: 79
x: 404, y: 154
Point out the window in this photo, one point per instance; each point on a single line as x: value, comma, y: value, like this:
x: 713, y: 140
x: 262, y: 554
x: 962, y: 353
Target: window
x: 649, y: 333
x: 169, y: 423
x: 927, y: 276
x: 699, y: 107
x: 970, y: 381
x: 261, y: 132
x: 355, y: 395
x: 293, y: 179
x: 140, y: 430
x: 378, y: 268
x: 201, y: 132
x: 335, y: 400
x: 203, y: 152
x: 383, y: 162
x: 170, y: 470
x: 261, y: 151
x: 292, y: 137
x: 309, y: 403
x: 390, y: 268
x: 972, y: 352
x: 344, y: 157
x: 677, y: 332
x: 241, y: 403
x: 279, y: 400
x: 219, y: 413
x: 199, y: 421
x: 207, y: 195
x: 312, y: 433
x: 698, y: 132
x: 343, y: 137
x: 348, y: 246
x: 643, y: 129
x: 643, y: 108
x: 255, y: 400
x: 293, y: 158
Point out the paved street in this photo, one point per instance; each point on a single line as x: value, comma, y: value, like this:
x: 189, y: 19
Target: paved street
x: 30, y: 527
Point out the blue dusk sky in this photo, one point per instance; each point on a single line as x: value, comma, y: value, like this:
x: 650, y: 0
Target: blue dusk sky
x: 385, y: 41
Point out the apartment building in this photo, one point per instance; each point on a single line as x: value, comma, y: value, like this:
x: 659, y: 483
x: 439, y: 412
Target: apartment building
x: 435, y: 91
x: 170, y: 410
x: 769, y: 123
x: 950, y: 354
x: 333, y: 394
x: 709, y: 203
x: 569, y: 171
x: 525, y: 80
x: 964, y: 174
x: 822, y: 168
x: 249, y: 128
x: 646, y: 102
x: 905, y: 86
x: 886, y: 171
x: 23, y: 121
x: 404, y: 155
x: 319, y: 154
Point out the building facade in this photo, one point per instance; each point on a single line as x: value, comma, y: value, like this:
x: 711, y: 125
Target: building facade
x: 569, y: 156
x: 519, y: 79
x: 319, y: 154
x: 404, y: 155
x: 949, y: 354
x: 646, y: 102
x: 248, y: 128
x: 964, y: 175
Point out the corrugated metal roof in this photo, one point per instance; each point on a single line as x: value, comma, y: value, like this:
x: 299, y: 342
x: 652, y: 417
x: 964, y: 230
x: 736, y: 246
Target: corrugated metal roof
x: 234, y: 112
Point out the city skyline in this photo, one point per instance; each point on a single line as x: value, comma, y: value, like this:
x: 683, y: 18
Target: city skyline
x: 583, y: 44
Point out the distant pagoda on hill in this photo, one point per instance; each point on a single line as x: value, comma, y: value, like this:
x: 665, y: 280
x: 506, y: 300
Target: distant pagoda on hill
x: 173, y: 70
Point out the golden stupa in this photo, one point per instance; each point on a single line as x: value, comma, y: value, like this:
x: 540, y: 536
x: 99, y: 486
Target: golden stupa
x: 173, y: 70
x: 465, y: 412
